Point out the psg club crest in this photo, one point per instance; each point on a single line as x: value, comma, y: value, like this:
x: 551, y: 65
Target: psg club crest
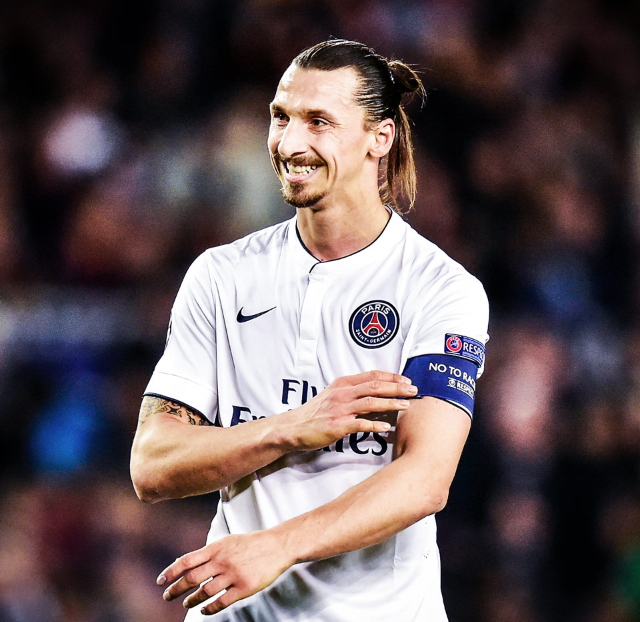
x: 374, y: 324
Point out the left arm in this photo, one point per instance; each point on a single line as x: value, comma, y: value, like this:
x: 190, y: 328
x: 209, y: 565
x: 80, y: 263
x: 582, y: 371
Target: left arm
x: 430, y: 437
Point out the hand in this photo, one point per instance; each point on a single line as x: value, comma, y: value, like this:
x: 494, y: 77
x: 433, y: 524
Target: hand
x: 240, y: 564
x: 336, y: 412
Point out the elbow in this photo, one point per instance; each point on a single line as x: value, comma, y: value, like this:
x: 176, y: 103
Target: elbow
x: 145, y: 483
x: 439, y: 502
x: 150, y: 474
x: 435, y: 501
x: 146, y: 494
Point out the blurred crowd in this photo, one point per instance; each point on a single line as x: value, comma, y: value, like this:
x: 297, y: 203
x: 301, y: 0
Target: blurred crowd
x: 133, y: 137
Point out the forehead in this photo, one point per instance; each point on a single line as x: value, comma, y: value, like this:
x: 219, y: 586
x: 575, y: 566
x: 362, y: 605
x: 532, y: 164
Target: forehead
x: 313, y: 89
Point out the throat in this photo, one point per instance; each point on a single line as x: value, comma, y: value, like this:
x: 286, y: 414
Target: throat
x: 328, y: 237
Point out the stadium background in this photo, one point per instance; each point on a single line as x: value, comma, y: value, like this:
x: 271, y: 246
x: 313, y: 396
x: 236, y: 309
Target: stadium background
x: 132, y: 137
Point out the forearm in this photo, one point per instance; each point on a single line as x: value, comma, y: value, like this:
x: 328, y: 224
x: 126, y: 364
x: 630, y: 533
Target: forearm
x: 357, y: 519
x: 245, y: 564
x: 429, y: 441
x: 172, y: 460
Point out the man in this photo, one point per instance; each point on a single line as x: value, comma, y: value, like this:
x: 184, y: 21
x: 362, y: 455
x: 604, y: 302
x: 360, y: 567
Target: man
x: 331, y: 464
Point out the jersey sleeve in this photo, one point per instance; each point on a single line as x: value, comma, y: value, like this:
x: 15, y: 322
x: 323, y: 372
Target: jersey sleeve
x: 187, y: 370
x: 446, y: 353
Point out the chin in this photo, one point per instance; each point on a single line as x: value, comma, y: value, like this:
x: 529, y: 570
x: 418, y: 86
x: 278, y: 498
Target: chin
x: 301, y: 199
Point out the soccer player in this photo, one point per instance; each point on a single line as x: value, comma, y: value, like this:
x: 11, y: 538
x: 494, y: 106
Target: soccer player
x: 319, y: 373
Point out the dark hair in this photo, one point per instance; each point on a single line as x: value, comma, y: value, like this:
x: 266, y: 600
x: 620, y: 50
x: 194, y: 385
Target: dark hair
x: 385, y: 87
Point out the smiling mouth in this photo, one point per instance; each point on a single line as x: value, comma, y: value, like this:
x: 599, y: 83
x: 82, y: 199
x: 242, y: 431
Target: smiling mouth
x: 299, y: 170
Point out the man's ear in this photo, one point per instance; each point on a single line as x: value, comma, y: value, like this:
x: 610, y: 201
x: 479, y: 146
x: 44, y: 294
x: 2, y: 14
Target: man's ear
x: 384, y: 134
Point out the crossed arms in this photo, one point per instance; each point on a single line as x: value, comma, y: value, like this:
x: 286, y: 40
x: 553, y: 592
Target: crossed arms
x: 170, y: 459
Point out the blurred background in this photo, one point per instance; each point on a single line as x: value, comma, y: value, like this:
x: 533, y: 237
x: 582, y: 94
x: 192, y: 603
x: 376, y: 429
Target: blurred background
x: 132, y: 137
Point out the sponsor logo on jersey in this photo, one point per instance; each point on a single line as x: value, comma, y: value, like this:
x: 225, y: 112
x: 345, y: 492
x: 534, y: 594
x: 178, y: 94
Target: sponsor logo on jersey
x: 465, y: 347
x: 374, y: 324
x: 297, y: 392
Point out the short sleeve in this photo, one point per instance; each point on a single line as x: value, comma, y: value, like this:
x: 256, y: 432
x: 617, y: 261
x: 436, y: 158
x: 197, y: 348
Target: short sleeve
x: 454, y: 320
x: 446, y: 347
x: 187, y: 370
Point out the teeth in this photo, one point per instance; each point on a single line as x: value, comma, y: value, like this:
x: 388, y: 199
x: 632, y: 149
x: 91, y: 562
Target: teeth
x: 301, y: 170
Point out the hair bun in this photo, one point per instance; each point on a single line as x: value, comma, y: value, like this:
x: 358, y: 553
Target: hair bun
x: 405, y: 79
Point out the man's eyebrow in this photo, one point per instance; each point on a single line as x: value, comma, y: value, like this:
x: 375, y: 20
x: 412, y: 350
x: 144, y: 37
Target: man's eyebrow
x: 311, y: 112
x: 318, y: 112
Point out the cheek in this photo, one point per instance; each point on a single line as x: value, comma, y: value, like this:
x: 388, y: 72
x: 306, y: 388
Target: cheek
x: 350, y: 159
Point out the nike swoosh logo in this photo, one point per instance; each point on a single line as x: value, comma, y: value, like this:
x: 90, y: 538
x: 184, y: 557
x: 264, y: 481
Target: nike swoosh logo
x: 246, y: 318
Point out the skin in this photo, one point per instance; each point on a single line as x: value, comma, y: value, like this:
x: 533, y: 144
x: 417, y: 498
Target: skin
x: 171, y: 460
x: 315, y: 120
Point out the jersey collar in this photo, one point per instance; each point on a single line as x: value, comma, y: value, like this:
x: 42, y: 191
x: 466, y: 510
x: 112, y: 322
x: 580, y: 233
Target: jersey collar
x: 380, y: 247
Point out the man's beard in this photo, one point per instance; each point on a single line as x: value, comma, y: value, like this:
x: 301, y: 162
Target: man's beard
x: 297, y: 196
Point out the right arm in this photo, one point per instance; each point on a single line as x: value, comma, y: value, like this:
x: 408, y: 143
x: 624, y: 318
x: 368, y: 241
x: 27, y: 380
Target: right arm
x: 177, y: 453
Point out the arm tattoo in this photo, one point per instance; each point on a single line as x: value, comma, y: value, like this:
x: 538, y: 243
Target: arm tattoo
x: 152, y: 405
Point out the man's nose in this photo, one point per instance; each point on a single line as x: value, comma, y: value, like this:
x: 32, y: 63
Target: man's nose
x: 293, y: 141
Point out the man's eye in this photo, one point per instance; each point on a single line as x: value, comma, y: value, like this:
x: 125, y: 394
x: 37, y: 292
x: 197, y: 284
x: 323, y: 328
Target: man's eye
x: 318, y: 122
x: 279, y: 116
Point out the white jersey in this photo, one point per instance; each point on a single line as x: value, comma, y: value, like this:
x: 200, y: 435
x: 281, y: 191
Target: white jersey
x: 259, y: 327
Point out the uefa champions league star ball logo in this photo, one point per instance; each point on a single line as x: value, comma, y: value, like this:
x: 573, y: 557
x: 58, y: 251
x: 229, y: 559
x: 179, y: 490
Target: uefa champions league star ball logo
x: 374, y: 324
x: 453, y: 344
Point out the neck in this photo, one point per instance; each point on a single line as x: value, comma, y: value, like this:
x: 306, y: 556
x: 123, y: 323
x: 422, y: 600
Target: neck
x: 335, y: 232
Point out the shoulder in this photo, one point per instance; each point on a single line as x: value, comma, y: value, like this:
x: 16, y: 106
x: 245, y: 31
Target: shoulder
x: 434, y: 274
x: 239, y: 257
x: 444, y: 301
x: 246, y: 251
x: 222, y: 264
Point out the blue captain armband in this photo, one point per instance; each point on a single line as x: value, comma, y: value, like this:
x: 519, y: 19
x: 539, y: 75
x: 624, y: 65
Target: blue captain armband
x: 450, y: 378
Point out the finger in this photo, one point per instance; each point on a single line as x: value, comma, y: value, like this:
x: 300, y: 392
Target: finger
x: 208, y: 590
x: 368, y: 425
x: 370, y: 404
x: 380, y: 388
x: 184, y: 564
x: 376, y: 374
x: 190, y: 579
x: 232, y: 595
